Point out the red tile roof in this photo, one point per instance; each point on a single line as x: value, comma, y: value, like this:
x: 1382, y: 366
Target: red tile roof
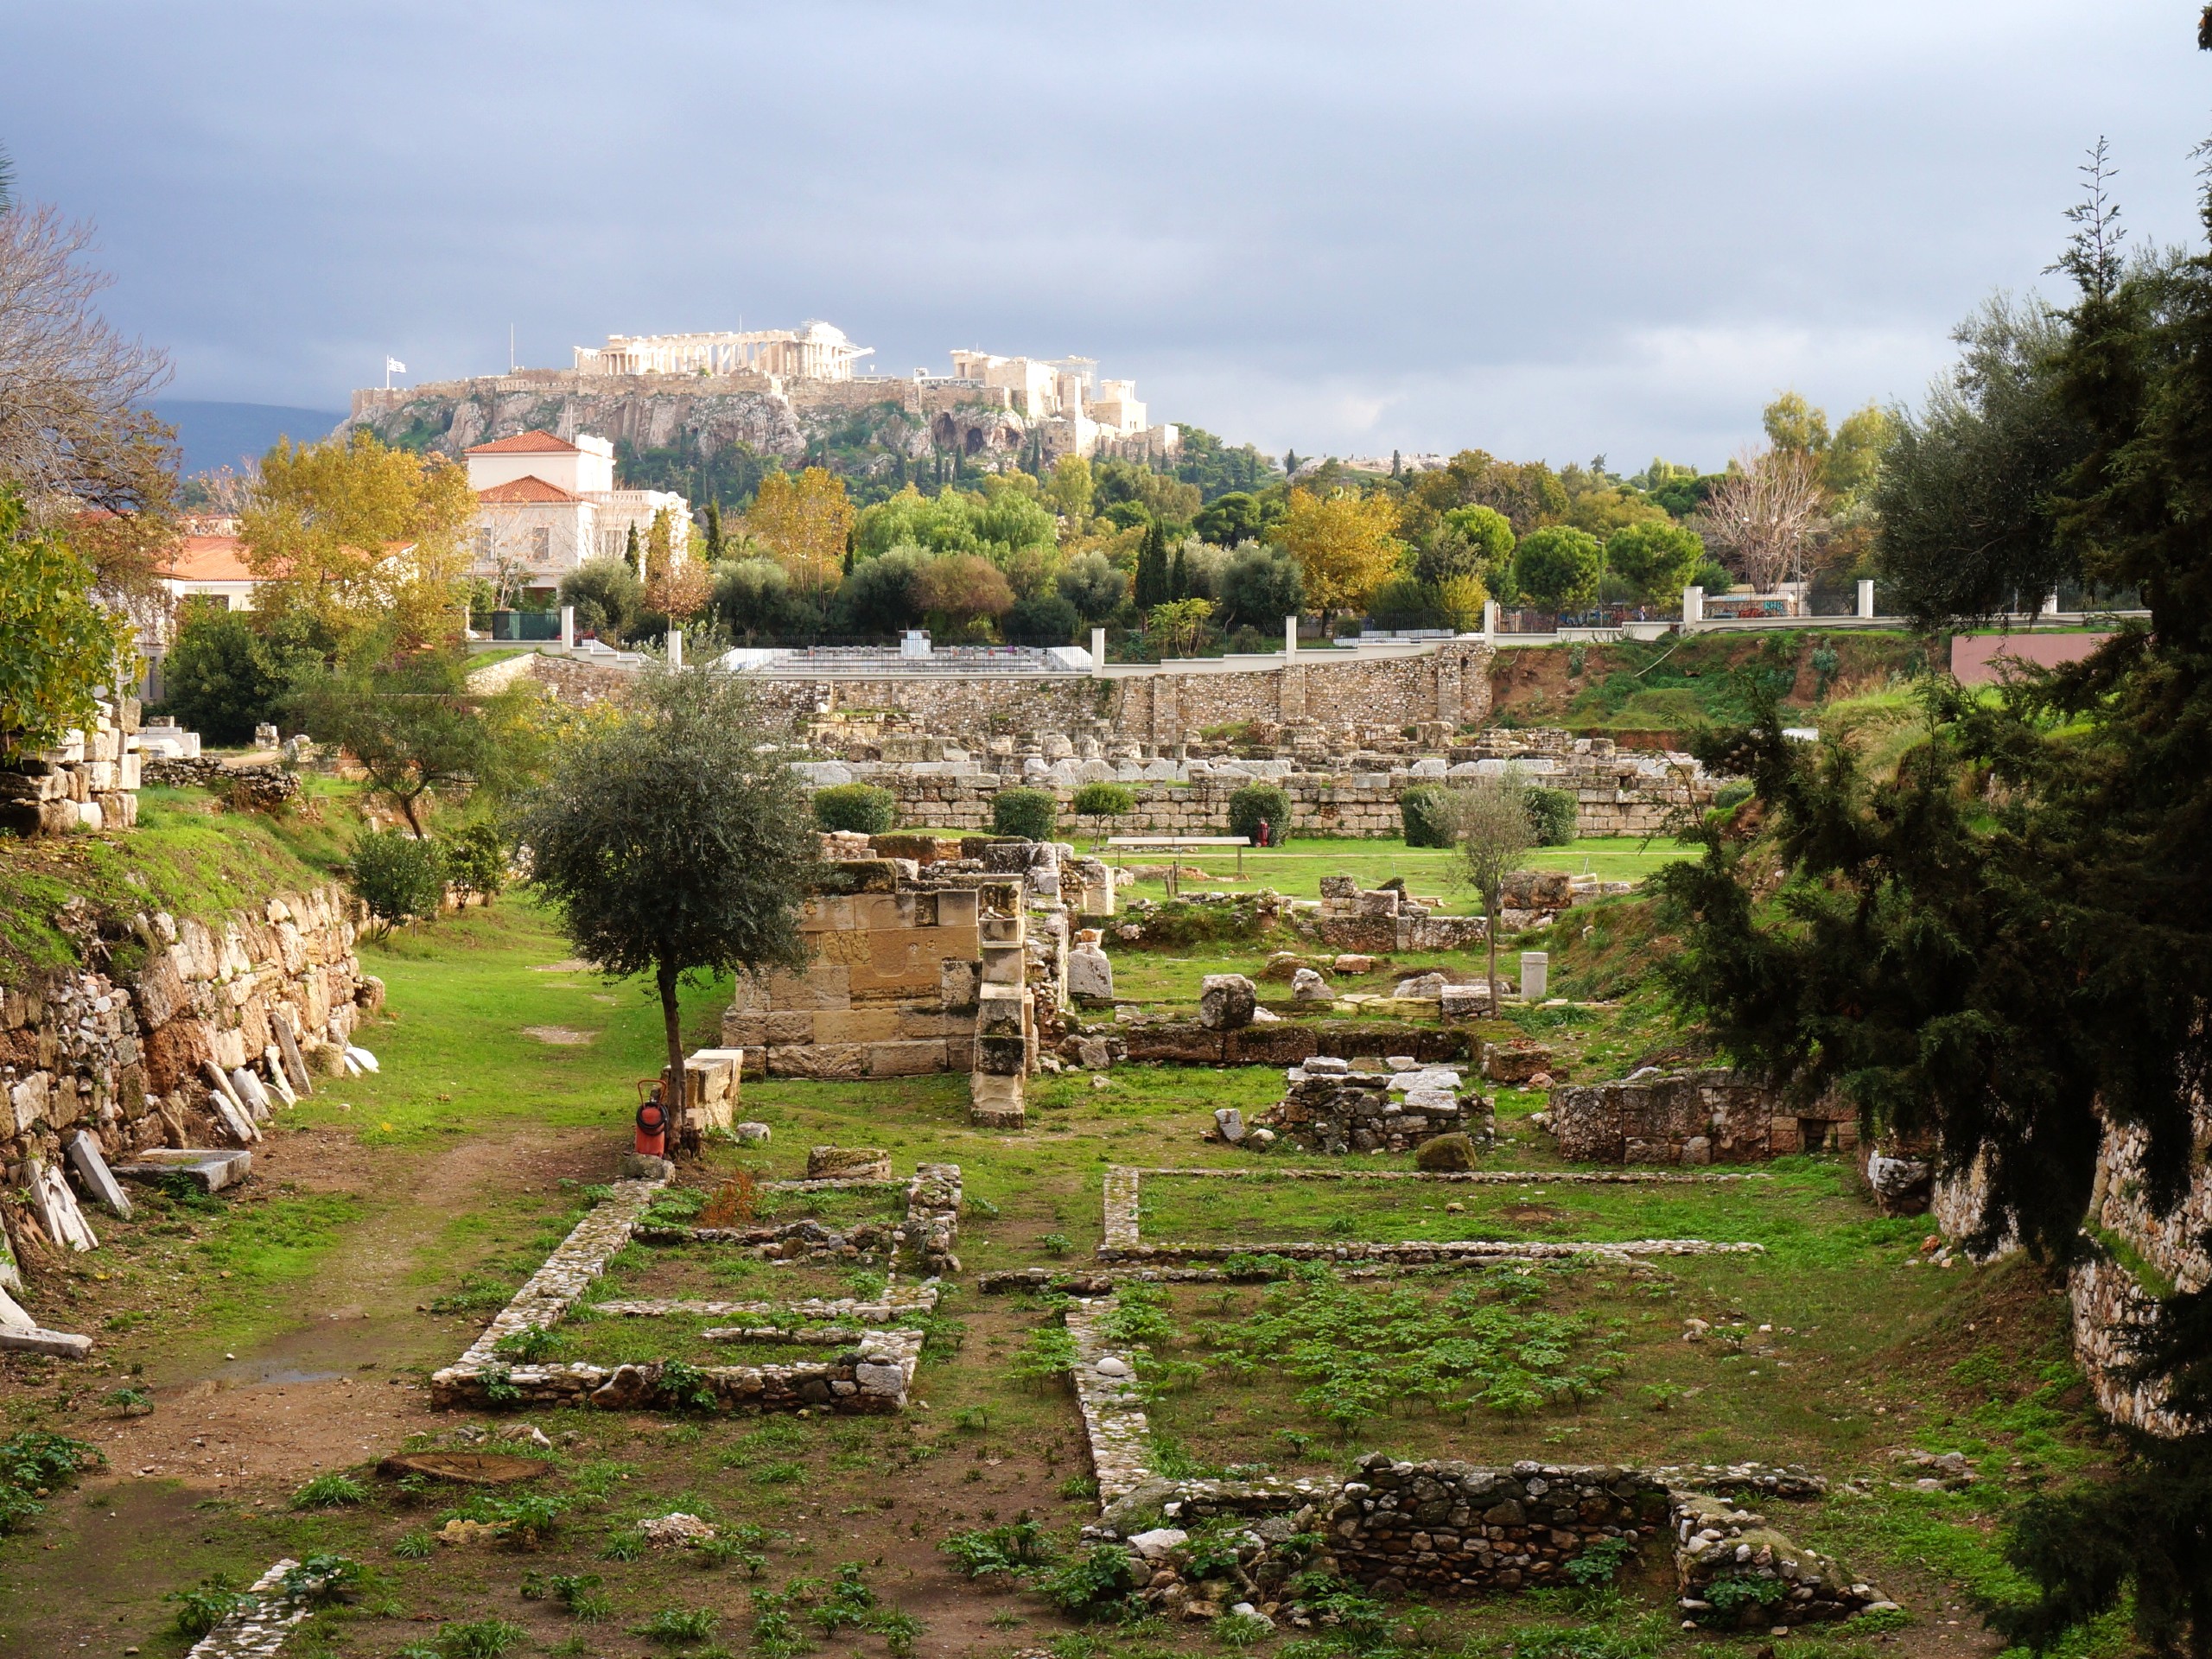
x: 208, y: 558
x: 524, y: 489
x: 533, y: 442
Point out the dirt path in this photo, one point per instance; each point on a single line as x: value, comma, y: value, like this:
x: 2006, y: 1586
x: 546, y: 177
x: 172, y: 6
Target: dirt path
x: 326, y: 1392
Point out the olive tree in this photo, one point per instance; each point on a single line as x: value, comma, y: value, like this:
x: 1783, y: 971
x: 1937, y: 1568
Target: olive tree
x: 1489, y: 826
x: 676, y: 842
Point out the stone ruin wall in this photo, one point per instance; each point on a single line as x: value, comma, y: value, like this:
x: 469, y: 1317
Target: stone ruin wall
x: 904, y: 961
x: 1163, y: 709
x: 123, y: 1055
x: 2110, y: 1305
x: 89, y: 781
x: 1614, y: 796
x: 1696, y: 1117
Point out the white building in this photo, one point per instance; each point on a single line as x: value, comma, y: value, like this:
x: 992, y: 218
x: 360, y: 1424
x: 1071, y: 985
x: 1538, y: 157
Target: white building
x: 545, y: 505
x: 813, y: 350
x: 1065, y: 393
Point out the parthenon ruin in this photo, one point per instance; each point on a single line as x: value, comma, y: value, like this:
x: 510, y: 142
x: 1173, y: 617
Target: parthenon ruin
x: 813, y: 350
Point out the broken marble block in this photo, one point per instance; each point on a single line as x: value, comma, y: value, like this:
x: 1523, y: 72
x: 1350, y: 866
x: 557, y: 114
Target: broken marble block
x: 1226, y: 1001
x: 1307, y: 986
x: 210, y: 1169
x: 848, y: 1164
x: 1090, y: 976
x: 99, y: 1181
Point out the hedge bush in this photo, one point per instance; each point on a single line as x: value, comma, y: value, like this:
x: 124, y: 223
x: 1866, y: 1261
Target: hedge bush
x: 863, y: 809
x: 1031, y: 814
x: 1551, y: 816
x: 1256, y: 804
x: 1427, y: 811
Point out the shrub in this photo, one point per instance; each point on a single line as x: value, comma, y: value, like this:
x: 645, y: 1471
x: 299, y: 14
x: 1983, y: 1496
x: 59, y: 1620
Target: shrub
x: 200, y: 1610
x: 1100, y: 800
x: 400, y: 878
x: 483, y: 1638
x: 1426, y: 811
x: 1032, y: 814
x: 677, y: 1626
x: 862, y: 809
x: 1733, y: 794
x: 1046, y: 620
x: 1551, y: 816
x: 476, y: 861
x: 1257, y: 803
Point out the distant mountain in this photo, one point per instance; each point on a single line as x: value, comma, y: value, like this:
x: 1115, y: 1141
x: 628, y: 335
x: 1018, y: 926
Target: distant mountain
x: 225, y: 434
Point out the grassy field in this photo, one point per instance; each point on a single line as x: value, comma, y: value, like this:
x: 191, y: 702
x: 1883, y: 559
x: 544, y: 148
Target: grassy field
x: 390, y: 1215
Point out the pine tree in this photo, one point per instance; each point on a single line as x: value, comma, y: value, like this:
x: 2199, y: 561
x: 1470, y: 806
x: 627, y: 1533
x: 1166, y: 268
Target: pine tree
x: 1179, y: 578
x: 633, y: 554
x: 714, y: 531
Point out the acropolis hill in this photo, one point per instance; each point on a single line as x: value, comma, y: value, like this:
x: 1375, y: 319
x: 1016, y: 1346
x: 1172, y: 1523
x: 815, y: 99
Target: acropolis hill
x: 780, y: 392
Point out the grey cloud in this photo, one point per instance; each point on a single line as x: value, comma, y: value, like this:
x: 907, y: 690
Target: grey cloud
x: 1543, y: 228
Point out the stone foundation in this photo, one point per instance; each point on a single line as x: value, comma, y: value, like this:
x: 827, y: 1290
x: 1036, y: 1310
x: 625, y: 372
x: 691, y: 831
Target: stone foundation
x: 1694, y: 1117
x: 1338, y: 1110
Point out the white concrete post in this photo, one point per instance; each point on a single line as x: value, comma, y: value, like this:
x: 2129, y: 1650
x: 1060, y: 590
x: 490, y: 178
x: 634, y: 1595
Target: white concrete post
x: 1866, y: 596
x: 675, y: 647
x: 567, y: 627
x: 1490, y: 619
x: 1692, y: 605
x: 1289, y: 637
x: 1535, y: 976
x: 2050, y: 604
x: 1098, y: 653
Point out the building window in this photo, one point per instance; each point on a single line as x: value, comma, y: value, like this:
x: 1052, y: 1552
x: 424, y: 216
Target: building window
x: 484, y: 543
x: 541, y: 544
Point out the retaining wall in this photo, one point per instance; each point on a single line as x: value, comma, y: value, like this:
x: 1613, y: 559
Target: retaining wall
x: 125, y: 1056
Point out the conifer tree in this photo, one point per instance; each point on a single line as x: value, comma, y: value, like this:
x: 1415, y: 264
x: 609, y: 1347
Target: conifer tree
x: 1152, y: 583
x: 2007, y: 946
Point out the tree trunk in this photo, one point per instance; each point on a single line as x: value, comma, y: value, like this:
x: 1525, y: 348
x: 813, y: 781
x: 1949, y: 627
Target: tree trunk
x: 672, y: 1094
x: 1489, y: 938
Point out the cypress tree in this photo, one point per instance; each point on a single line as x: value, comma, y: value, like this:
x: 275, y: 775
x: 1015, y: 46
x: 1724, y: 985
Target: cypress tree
x: 1152, y: 584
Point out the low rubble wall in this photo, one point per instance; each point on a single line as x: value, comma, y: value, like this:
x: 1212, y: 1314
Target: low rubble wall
x: 1691, y: 1117
x: 1454, y: 1529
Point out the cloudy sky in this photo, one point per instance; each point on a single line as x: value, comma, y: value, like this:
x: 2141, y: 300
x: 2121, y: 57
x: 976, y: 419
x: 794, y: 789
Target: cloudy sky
x: 1545, y: 227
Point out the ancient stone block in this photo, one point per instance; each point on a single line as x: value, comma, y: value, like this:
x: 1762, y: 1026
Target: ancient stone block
x: 841, y: 1062
x: 906, y: 1059
x: 1226, y: 1001
x: 847, y: 1163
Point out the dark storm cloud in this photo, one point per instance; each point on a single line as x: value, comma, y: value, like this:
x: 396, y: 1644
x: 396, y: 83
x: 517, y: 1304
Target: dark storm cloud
x: 1545, y: 228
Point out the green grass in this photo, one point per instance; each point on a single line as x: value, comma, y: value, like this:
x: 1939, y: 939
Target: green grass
x: 464, y: 992
x: 1804, y: 1216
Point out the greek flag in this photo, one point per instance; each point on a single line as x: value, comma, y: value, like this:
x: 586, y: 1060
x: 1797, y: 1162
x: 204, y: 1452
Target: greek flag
x: 393, y: 365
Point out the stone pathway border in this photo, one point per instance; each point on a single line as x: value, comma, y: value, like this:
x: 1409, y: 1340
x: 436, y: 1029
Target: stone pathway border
x: 1114, y: 1427
x: 931, y: 1230
x: 893, y: 1304
x: 1123, y: 1184
x: 258, y: 1629
x: 874, y: 1376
